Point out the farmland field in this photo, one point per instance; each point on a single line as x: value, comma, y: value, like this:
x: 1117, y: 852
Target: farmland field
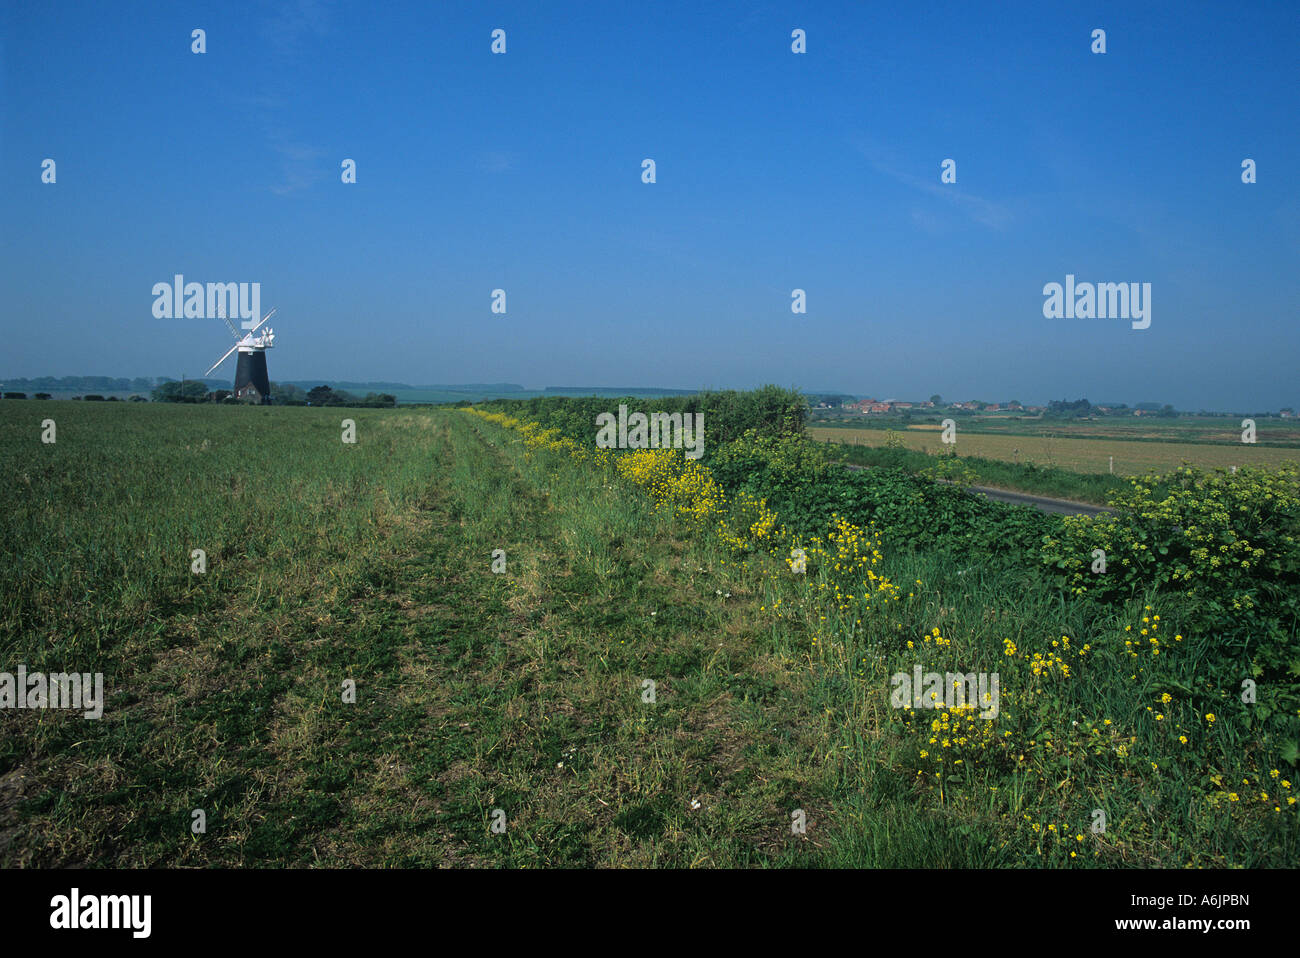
x: 645, y: 681
x: 1225, y: 430
x: 1132, y: 457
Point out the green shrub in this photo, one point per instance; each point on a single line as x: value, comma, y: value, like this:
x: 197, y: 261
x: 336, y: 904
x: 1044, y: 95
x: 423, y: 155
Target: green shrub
x: 1228, y: 542
x: 913, y: 512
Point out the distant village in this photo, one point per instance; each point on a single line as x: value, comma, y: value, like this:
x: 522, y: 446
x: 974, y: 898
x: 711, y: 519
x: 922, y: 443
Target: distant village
x: 895, y: 406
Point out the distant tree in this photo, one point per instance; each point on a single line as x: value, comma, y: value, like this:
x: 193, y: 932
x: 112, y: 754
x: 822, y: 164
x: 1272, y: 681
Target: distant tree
x: 284, y: 394
x: 15, y: 395
x: 320, y: 396
x: 831, y: 399
x: 43, y: 396
x: 219, y: 395
x: 113, y: 399
x: 1168, y: 411
x: 93, y: 398
x: 1061, y: 409
x: 137, y: 399
x: 936, y: 399
x: 172, y: 391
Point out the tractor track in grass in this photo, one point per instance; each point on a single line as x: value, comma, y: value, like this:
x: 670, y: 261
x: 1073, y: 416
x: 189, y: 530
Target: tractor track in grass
x: 613, y: 593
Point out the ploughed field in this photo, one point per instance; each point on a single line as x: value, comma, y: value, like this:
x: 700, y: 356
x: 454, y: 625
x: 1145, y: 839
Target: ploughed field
x: 1132, y: 457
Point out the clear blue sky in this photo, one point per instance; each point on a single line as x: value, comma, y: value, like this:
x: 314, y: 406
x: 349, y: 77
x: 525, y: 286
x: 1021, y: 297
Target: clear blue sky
x: 775, y: 171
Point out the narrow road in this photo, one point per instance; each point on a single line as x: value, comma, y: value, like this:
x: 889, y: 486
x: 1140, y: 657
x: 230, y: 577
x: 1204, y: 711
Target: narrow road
x: 1043, y: 503
x: 1063, y: 506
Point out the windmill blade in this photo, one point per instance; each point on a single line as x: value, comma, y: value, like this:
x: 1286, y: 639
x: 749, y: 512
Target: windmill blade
x: 222, y: 359
x: 231, y: 327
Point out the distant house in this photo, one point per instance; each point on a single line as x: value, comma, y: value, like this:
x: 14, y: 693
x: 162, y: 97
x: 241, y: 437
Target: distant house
x: 992, y: 407
x: 870, y: 406
x: 900, y: 405
x: 1015, y: 407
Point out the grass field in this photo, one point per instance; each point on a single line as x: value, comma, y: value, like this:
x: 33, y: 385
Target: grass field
x: 372, y: 562
x: 524, y: 691
x: 1132, y: 457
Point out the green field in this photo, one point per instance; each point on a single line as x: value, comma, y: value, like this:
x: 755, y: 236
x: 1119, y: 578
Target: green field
x: 370, y: 562
x: 524, y: 691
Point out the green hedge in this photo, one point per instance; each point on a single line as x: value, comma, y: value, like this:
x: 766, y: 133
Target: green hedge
x: 728, y: 414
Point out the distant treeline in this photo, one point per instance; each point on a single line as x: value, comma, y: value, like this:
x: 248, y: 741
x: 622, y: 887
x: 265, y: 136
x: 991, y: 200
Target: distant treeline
x: 1078, y: 408
x: 387, y: 386
x: 289, y: 395
x: 99, y: 384
x: 92, y: 397
x: 769, y: 410
x: 282, y: 394
x: 603, y: 391
x: 831, y: 399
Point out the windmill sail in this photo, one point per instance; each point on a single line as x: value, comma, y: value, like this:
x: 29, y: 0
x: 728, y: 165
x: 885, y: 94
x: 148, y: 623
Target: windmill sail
x: 223, y: 358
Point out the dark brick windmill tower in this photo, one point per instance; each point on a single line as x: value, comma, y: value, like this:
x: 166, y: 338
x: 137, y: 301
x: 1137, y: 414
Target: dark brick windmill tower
x: 251, y: 380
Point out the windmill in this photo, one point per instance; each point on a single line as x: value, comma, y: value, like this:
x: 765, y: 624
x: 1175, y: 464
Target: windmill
x: 250, y: 369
